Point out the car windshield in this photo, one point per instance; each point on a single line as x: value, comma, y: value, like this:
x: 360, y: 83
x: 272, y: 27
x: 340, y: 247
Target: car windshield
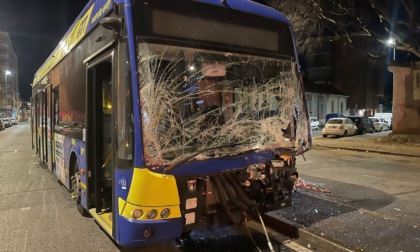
x: 194, y: 99
x: 335, y: 121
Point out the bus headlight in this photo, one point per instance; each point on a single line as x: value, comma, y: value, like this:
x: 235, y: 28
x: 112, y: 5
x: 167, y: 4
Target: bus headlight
x: 137, y: 213
x: 165, y: 213
x: 152, y: 214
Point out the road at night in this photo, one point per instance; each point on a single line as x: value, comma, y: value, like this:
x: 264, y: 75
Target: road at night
x: 373, y: 203
x: 36, y: 212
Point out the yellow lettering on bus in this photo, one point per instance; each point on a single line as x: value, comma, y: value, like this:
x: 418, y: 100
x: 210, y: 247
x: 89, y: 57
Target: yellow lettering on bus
x: 101, y: 11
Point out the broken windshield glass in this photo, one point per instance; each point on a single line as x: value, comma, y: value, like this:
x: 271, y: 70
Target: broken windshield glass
x: 194, y: 99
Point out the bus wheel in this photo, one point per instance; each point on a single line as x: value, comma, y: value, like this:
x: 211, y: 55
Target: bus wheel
x: 77, y: 190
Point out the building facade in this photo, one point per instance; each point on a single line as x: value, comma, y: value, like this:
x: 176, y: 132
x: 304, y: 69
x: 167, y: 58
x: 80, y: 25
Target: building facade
x: 351, y: 81
x: 324, y: 99
x: 9, y: 95
x: 363, y: 77
x: 406, y: 109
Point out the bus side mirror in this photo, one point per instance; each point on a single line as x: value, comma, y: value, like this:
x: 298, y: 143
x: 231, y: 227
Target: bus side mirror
x: 111, y: 23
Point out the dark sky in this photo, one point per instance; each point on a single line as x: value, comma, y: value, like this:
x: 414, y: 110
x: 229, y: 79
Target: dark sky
x: 36, y: 27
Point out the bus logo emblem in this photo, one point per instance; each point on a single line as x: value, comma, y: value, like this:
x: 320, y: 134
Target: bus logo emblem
x: 123, y: 183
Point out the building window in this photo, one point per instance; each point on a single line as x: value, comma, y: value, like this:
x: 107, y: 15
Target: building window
x: 341, y: 107
x: 332, y: 106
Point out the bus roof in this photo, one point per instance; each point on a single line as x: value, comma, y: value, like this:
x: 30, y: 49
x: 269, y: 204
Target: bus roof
x: 96, y: 9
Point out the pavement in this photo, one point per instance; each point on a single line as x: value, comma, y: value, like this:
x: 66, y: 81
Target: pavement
x: 380, y: 142
x: 326, y: 223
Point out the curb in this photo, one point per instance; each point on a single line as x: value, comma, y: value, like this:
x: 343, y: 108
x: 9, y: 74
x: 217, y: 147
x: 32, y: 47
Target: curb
x: 305, y: 237
x: 315, y: 146
x: 321, y: 243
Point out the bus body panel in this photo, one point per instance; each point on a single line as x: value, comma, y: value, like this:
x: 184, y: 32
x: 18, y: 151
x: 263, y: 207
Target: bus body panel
x: 250, y: 7
x: 132, y: 232
x: 204, y: 167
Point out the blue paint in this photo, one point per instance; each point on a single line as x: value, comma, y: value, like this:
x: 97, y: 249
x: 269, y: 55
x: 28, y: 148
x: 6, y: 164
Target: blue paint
x: 76, y: 149
x: 120, y: 176
x: 138, y: 137
x: 131, y: 231
x: 250, y: 7
x: 224, y: 164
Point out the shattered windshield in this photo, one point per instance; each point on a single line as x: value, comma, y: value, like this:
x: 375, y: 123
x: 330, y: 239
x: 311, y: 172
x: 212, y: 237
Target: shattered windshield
x: 194, y: 99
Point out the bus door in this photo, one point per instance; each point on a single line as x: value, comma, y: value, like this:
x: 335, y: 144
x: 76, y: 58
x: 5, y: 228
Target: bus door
x: 54, y: 123
x: 98, y: 134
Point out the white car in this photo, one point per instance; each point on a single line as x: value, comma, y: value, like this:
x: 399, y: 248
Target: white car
x: 339, y: 127
x: 379, y: 123
x: 387, y: 121
x: 314, y: 123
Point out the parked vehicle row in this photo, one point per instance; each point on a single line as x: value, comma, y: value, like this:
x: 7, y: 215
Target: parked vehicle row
x: 7, y: 122
x: 352, y: 125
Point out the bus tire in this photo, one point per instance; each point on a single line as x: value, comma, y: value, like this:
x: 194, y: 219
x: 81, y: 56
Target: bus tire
x: 76, y: 187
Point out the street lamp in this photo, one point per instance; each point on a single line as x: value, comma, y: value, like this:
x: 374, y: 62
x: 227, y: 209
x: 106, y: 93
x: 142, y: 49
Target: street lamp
x: 391, y: 41
x: 7, y: 73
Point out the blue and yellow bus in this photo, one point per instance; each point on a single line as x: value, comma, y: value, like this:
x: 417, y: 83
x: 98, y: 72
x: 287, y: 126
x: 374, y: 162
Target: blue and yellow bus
x: 161, y: 116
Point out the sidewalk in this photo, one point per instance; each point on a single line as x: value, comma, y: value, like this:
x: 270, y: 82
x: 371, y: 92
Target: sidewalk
x: 393, y: 144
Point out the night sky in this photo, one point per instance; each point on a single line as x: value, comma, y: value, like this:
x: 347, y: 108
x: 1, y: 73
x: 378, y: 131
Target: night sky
x: 35, y: 28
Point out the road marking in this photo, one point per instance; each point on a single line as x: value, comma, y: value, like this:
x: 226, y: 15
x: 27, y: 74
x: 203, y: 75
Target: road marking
x: 16, y: 151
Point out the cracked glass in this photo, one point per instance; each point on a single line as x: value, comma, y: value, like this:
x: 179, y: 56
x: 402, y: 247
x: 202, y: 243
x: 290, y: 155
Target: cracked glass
x: 224, y: 103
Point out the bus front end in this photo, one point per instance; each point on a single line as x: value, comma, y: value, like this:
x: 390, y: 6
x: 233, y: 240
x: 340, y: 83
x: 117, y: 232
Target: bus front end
x: 222, y: 116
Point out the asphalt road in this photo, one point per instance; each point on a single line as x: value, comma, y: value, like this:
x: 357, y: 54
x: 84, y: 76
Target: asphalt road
x: 36, y: 212
x: 373, y: 204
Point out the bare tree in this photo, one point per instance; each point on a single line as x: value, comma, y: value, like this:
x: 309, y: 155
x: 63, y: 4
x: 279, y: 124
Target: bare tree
x: 394, y: 23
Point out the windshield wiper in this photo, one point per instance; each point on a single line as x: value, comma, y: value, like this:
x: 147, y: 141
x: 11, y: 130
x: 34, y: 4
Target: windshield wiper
x: 177, y: 163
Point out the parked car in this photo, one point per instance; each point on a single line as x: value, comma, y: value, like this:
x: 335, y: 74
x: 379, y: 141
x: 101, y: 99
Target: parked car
x: 363, y: 124
x: 387, y: 117
x: 12, y: 121
x: 6, y: 122
x: 339, y: 127
x: 384, y: 120
x: 314, y: 123
x: 379, y: 124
